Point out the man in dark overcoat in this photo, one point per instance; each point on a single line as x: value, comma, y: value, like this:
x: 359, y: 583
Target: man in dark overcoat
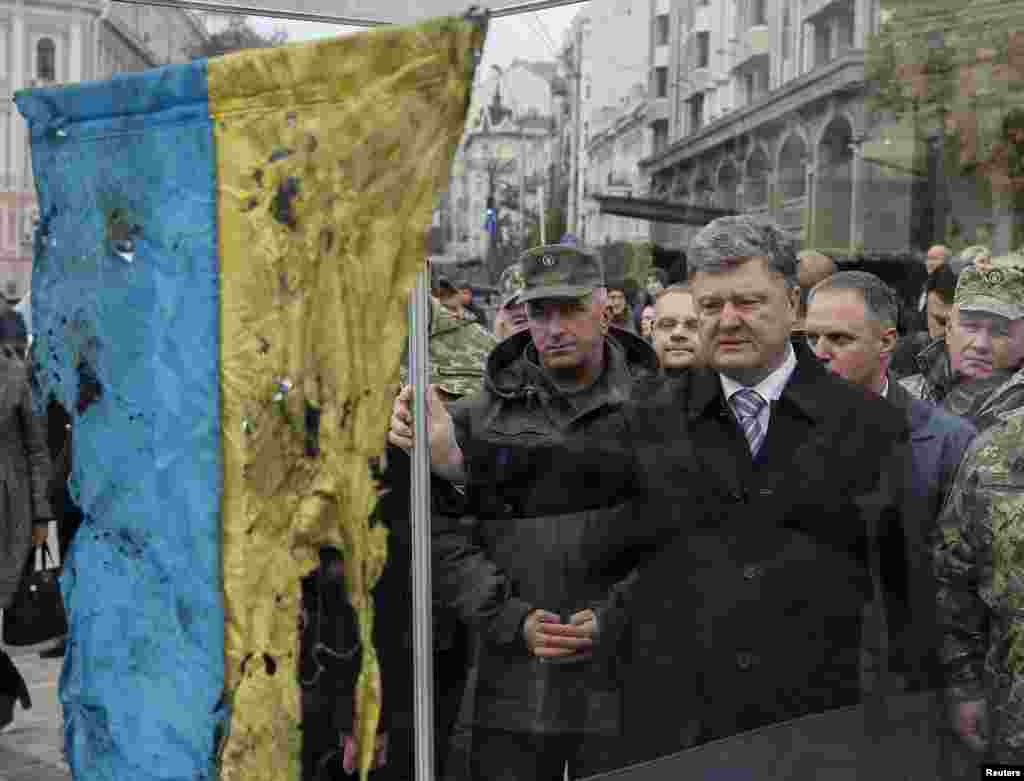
x: 762, y: 489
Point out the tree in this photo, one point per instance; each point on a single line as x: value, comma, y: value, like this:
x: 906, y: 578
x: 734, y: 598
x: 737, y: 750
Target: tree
x: 239, y: 34
x: 554, y: 228
x: 951, y: 74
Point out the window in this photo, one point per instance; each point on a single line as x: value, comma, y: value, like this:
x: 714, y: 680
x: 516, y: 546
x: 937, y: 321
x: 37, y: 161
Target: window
x: 696, y: 112
x: 845, y: 32
x: 749, y: 87
x: 660, y: 128
x: 703, y: 49
x: 759, y: 12
x: 586, y: 92
x: 787, y: 33
x: 661, y: 30
x: 46, y: 60
x: 661, y: 82
x: 822, y: 44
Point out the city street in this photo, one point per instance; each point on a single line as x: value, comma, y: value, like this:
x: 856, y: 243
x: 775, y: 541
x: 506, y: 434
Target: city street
x: 31, y: 749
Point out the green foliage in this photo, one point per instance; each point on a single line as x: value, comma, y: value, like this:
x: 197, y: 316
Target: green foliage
x: 627, y: 260
x: 554, y: 228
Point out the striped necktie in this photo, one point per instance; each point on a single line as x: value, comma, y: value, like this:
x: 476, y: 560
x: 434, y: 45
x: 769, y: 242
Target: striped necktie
x: 747, y: 404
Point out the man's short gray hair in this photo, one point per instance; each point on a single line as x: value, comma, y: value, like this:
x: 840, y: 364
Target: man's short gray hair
x: 880, y: 301
x: 729, y: 241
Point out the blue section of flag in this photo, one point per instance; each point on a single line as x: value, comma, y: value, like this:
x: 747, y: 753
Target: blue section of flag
x: 125, y: 286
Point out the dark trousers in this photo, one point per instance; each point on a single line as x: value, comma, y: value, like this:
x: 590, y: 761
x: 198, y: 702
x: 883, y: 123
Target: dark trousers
x: 11, y: 682
x: 498, y: 755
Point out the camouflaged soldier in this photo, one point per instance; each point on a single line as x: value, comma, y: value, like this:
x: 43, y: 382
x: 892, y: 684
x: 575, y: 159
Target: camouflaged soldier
x: 984, y: 343
x: 458, y: 353
x: 995, y: 293
x: 981, y: 592
x: 511, y: 316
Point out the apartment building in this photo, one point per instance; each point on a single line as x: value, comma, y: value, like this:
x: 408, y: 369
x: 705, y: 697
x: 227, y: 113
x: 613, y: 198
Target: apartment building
x: 66, y: 41
x: 759, y: 106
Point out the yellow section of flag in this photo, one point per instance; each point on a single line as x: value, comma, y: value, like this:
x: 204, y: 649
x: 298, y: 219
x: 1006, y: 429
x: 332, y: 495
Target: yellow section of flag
x: 330, y: 156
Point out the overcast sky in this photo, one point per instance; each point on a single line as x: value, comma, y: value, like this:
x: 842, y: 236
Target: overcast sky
x: 510, y: 37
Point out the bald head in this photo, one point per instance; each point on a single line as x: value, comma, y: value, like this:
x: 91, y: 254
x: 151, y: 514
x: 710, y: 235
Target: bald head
x: 813, y: 267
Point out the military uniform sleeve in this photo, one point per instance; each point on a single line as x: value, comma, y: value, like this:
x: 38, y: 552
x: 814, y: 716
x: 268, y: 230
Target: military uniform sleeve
x: 963, y: 569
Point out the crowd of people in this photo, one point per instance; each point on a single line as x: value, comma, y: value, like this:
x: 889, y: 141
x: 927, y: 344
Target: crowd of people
x: 769, y: 490
x: 666, y: 517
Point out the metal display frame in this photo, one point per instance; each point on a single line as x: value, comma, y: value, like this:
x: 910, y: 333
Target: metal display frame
x: 302, y: 16
x: 419, y: 367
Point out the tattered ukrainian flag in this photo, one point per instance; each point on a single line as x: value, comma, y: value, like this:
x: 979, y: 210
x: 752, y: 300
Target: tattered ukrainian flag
x: 225, y: 254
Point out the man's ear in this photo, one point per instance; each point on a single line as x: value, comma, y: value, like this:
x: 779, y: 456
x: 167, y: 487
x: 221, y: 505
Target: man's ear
x: 794, y: 299
x: 889, y: 337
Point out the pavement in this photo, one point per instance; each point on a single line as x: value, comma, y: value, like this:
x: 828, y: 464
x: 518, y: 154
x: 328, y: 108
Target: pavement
x: 32, y: 748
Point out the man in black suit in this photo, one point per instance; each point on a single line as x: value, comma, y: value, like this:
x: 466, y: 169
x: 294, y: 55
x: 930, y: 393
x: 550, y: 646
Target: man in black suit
x: 761, y: 482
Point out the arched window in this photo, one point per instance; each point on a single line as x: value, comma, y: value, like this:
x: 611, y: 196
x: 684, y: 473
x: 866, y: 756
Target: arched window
x: 46, y: 60
x: 755, y: 193
x: 792, y: 168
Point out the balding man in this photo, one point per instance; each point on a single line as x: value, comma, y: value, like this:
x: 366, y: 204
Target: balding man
x: 812, y: 267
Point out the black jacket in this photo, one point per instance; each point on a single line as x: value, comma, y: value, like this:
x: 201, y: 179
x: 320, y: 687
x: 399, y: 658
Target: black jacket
x: 754, y: 577
x: 532, y: 492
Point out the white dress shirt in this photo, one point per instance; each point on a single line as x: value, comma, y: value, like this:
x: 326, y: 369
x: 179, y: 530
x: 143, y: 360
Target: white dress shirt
x: 770, y: 388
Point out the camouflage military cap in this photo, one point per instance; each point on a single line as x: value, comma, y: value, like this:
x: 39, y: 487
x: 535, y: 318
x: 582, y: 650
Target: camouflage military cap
x: 510, y: 285
x: 559, y: 271
x: 998, y: 290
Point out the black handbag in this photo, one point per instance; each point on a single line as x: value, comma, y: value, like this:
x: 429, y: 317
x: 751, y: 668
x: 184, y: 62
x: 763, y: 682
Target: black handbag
x: 36, y: 614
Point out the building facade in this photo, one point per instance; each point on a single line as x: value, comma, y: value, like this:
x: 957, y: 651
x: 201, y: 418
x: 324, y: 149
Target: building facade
x: 509, y: 154
x: 766, y: 112
x: 620, y: 138
x: 64, y: 42
x: 605, y: 55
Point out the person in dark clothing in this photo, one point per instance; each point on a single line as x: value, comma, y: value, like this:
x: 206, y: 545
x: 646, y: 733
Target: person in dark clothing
x: 620, y: 310
x: 762, y: 484
x: 939, y: 291
x: 69, y: 514
x: 547, y: 696
x: 466, y: 292
x: 25, y: 512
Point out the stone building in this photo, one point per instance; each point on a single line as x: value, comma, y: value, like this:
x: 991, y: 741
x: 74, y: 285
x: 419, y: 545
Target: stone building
x: 619, y: 140
x: 57, y: 42
x: 509, y: 153
x: 604, y: 55
x: 764, y: 111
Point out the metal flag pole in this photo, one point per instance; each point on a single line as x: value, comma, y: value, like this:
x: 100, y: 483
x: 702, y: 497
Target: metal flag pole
x: 419, y: 513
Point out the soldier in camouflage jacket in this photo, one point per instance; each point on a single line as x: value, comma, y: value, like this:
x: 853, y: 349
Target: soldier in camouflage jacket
x: 980, y: 572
